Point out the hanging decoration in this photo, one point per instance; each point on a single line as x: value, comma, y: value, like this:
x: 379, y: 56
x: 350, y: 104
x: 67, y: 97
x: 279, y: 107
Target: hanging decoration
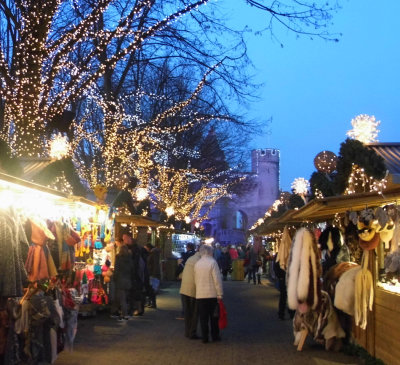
x: 325, y: 161
x: 300, y: 186
x: 360, y: 182
x: 59, y: 147
x: 61, y: 183
x: 365, y: 128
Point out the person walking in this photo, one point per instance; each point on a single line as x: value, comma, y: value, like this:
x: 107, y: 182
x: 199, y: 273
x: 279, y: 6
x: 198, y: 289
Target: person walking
x: 253, y: 267
x: 153, y: 267
x: 281, y: 277
x: 207, y: 278
x: 122, y: 278
x: 225, y: 263
x: 188, y: 296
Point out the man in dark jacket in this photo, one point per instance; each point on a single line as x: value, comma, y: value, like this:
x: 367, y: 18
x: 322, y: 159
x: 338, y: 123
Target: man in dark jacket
x: 153, y: 268
x: 123, y: 281
x: 281, y: 277
x: 190, y: 251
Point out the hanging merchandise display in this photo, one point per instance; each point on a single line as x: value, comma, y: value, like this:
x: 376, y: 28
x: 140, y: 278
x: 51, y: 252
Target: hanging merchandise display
x: 304, y: 272
x: 40, y: 229
x: 315, y: 314
x: 284, y: 249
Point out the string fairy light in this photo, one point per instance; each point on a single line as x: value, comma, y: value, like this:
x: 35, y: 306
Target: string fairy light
x: 360, y: 182
x: 283, y: 200
x: 41, y: 80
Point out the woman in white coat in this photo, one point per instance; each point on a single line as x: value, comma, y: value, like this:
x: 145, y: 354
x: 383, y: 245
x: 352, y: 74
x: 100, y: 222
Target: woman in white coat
x: 207, y: 277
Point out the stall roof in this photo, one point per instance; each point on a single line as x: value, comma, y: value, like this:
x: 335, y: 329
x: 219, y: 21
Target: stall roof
x: 390, y: 152
x: 63, y: 197
x: 320, y: 209
x: 274, y: 224
x: 32, y: 166
x: 31, y: 185
x: 323, y: 209
x: 137, y: 220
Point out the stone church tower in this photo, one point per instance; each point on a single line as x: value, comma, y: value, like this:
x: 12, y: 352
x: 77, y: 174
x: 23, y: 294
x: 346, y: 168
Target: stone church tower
x: 264, y: 189
x: 231, y: 217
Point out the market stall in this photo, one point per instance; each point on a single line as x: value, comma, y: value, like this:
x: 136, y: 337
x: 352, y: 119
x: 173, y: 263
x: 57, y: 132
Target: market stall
x: 382, y: 323
x: 145, y: 230
x: 41, y: 234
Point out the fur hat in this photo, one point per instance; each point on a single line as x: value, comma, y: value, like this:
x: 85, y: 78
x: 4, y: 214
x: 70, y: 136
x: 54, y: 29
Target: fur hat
x: 386, y: 233
x: 330, y: 239
x: 366, y: 232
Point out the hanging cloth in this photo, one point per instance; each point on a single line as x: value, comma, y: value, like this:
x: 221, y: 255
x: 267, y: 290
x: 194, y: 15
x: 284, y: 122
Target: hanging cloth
x: 364, y: 293
x: 284, y: 249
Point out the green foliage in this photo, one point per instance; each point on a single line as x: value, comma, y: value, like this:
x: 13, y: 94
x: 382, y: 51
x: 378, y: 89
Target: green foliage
x: 144, y: 205
x: 295, y: 201
x: 322, y: 182
x: 9, y: 164
x: 354, y: 152
x: 281, y: 209
x: 53, y: 170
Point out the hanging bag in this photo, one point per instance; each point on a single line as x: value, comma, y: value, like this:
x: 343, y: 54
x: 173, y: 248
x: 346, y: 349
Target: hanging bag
x: 223, y: 317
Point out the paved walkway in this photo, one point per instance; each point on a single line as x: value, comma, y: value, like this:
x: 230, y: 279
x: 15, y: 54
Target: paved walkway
x: 254, y: 335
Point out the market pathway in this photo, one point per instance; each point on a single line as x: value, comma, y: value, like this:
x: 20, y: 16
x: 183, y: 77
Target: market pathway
x: 254, y: 335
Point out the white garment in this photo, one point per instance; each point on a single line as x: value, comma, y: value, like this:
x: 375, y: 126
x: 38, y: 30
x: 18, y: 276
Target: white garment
x: 188, y: 286
x: 207, y: 278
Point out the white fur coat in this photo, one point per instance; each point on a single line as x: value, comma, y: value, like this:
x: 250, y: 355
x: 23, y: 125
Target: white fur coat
x: 304, y: 271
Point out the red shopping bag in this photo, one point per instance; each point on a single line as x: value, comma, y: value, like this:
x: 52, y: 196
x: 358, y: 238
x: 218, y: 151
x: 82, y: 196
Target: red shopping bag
x: 223, y: 318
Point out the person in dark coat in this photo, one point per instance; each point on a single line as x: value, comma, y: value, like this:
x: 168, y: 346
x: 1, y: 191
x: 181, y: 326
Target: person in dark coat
x: 225, y: 263
x: 153, y: 268
x: 281, y: 277
x: 140, y: 277
x: 190, y: 251
x: 253, y: 266
x: 123, y: 280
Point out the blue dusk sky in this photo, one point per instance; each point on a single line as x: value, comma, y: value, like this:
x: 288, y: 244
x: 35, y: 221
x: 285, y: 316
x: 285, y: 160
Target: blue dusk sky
x: 312, y: 89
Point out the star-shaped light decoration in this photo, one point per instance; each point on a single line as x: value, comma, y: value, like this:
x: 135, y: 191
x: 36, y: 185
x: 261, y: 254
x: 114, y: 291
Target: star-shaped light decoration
x: 141, y: 194
x: 170, y: 211
x: 59, y: 147
x: 300, y: 186
x: 365, y: 128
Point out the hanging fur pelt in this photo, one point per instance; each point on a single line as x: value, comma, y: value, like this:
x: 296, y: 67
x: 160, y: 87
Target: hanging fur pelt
x: 304, y: 272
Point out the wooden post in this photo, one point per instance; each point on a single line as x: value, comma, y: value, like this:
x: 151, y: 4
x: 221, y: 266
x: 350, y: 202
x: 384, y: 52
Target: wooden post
x: 303, y: 336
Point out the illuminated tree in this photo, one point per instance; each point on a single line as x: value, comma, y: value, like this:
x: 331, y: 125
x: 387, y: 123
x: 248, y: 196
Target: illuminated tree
x: 50, y: 57
x: 186, y: 194
x: 353, y: 152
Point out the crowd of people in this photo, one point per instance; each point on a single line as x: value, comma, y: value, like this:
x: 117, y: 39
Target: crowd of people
x: 137, y: 274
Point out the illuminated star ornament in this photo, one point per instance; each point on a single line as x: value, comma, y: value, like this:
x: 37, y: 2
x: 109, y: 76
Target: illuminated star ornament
x: 59, y: 147
x: 300, y: 186
x: 365, y: 128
